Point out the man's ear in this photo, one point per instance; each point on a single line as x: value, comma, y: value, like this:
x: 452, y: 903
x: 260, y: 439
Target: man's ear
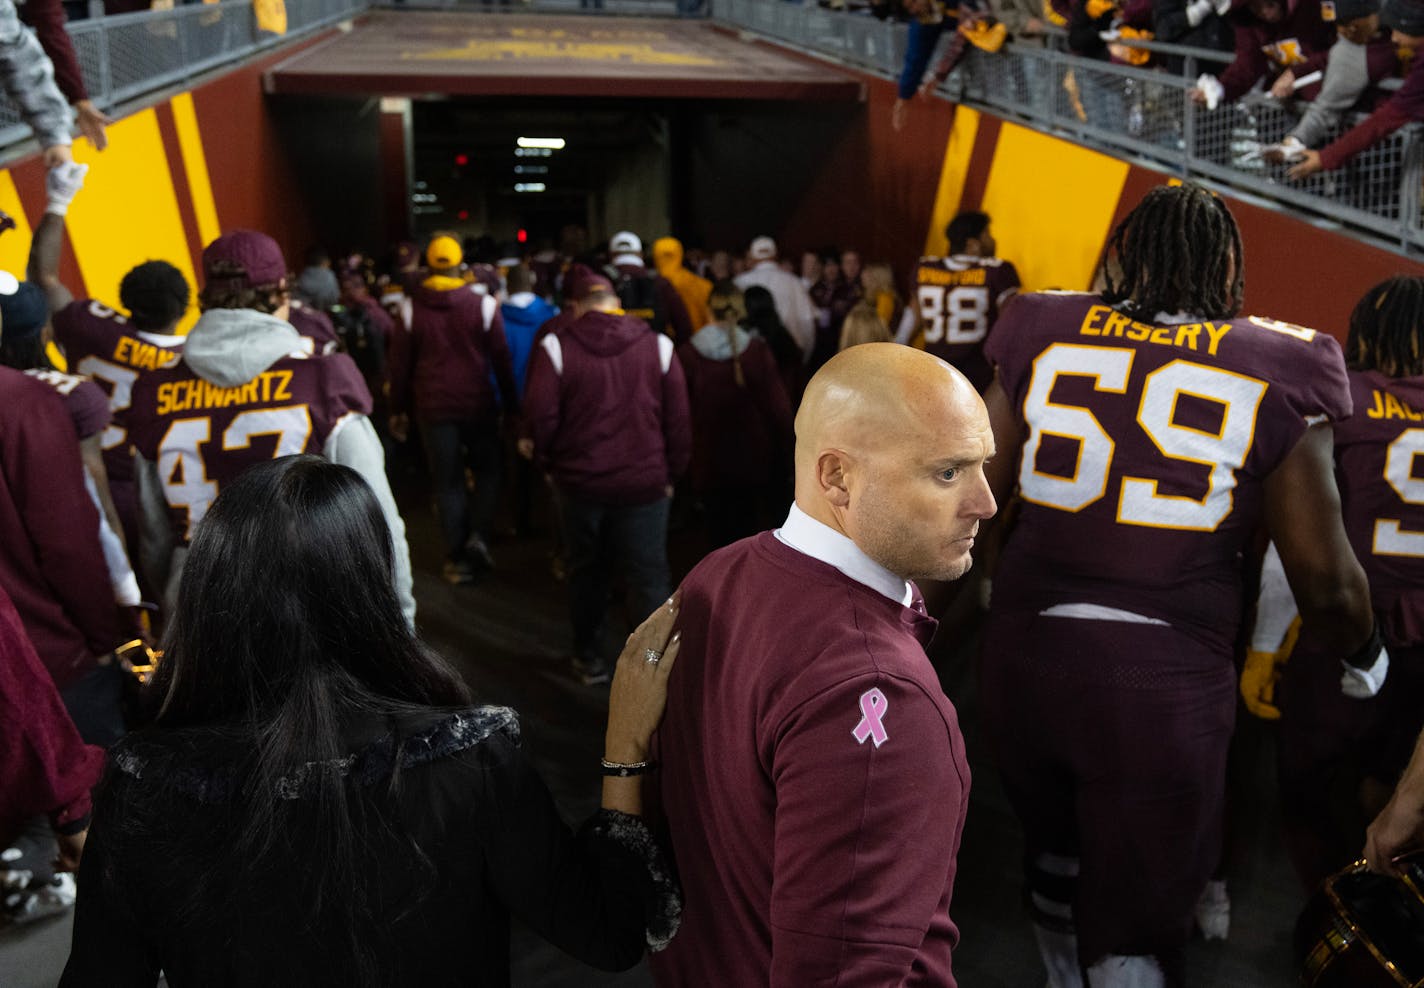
x: 831, y: 468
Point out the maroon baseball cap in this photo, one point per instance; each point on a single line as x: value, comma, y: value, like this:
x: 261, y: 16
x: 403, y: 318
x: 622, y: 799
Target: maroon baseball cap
x: 591, y: 284
x: 255, y: 253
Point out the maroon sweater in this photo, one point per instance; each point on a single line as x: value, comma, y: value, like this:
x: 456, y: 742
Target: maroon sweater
x: 51, y: 564
x: 808, y: 856
x: 44, y: 766
x: 442, y: 368
x: 740, y: 434
x: 606, y: 406
x: 1263, y: 50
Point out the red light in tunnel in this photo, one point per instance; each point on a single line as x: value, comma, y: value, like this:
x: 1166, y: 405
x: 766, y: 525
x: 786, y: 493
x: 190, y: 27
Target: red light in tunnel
x: 463, y: 214
x: 461, y: 160
x: 522, y: 236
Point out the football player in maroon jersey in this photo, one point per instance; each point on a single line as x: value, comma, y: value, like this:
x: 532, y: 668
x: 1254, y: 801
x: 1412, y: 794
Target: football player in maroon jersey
x: 245, y: 390
x: 959, y: 297
x: 1149, y: 432
x: 111, y: 349
x: 1330, y: 746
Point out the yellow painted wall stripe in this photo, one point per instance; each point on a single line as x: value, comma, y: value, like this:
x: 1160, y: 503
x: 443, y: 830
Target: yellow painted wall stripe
x: 14, y: 244
x: 195, y: 166
x: 957, y: 152
x: 128, y: 211
x: 1052, y: 204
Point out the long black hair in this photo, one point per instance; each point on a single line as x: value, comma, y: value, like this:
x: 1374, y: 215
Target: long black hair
x: 1385, y: 329
x: 287, y: 630
x: 1178, y: 251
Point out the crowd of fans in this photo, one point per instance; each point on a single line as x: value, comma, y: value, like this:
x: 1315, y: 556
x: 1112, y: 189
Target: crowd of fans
x: 1321, y: 61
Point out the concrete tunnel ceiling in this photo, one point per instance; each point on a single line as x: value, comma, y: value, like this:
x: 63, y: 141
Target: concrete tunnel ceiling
x: 414, y: 53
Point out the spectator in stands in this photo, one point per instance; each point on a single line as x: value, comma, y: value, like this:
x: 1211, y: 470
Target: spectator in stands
x: 445, y: 371
x: 646, y: 294
x: 822, y: 291
x: 51, y: 563
x: 693, y: 289
x: 762, y: 320
x: 863, y: 325
x: 606, y: 410
x: 1194, y: 24
x: 1271, y: 36
x: 928, y: 20
x: 741, y: 421
x: 1362, y: 56
x: 47, y: 19
x: 1405, y: 18
x: 318, y: 802
x: 1090, y: 25
x: 793, y: 305
x: 27, y: 76
x: 45, y: 767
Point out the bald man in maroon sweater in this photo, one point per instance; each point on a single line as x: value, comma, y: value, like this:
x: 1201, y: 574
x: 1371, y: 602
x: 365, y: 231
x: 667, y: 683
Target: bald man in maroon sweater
x: 812, y: 773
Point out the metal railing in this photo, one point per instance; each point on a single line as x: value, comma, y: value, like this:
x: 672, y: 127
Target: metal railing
x: 127, y: 56
x: 1139, y: 114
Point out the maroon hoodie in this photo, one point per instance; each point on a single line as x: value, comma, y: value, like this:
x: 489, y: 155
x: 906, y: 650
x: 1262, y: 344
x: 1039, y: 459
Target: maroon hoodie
x: 44, y: 765
x: 1266, y: 49
x: 51, y: 564
x: 606, y: 406
x: 442, y: 368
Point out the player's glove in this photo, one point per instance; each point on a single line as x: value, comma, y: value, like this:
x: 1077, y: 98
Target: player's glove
x: 62, y: 184
x: 1365, y: 671
x: 1258, y: 683
x: 1097, y: 8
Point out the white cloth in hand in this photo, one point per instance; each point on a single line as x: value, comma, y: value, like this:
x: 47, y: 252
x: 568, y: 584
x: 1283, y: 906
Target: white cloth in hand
x: 1212, y: 90
x: 62, y: 184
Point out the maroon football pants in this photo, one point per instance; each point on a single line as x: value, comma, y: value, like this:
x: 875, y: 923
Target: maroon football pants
x: 1111, y: 738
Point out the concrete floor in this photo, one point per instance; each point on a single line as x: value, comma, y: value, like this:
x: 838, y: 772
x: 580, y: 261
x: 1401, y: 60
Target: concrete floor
x: 509, y: 636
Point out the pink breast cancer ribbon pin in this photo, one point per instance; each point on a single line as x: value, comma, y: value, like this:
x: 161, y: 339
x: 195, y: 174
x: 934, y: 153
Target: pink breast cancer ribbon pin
x: 872, y: 708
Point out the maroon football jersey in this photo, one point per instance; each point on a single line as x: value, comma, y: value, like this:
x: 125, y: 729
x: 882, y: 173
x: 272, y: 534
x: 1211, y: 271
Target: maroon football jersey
x: 1381, y: 477
x: 86, y: 402
x: 958, y: 299
x: 100, y: 344
x: 1146, y: 449
x: 315, y: 327
x: 203, y: 435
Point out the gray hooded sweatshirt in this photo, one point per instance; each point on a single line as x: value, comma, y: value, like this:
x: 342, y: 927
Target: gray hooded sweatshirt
x: 230, y: 347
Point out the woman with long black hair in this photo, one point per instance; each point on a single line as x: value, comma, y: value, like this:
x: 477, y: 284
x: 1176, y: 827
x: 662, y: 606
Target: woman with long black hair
x: 317, y: 802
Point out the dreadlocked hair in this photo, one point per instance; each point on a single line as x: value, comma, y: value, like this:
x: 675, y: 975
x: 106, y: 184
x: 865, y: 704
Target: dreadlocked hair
x: 1178, y: 251
x: 1385, y: 329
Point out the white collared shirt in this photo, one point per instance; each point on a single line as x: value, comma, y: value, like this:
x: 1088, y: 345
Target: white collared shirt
x: 819, y: 541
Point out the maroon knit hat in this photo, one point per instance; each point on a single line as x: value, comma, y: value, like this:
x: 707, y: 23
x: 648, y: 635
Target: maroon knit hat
x: 255, y: 253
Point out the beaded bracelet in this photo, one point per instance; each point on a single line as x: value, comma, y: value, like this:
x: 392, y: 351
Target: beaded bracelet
x: 623, y: 770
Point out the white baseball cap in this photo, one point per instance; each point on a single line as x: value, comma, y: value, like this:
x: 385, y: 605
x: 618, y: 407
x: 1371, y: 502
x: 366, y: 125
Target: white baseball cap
x: 625, y: 243
x: 763, y: 249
